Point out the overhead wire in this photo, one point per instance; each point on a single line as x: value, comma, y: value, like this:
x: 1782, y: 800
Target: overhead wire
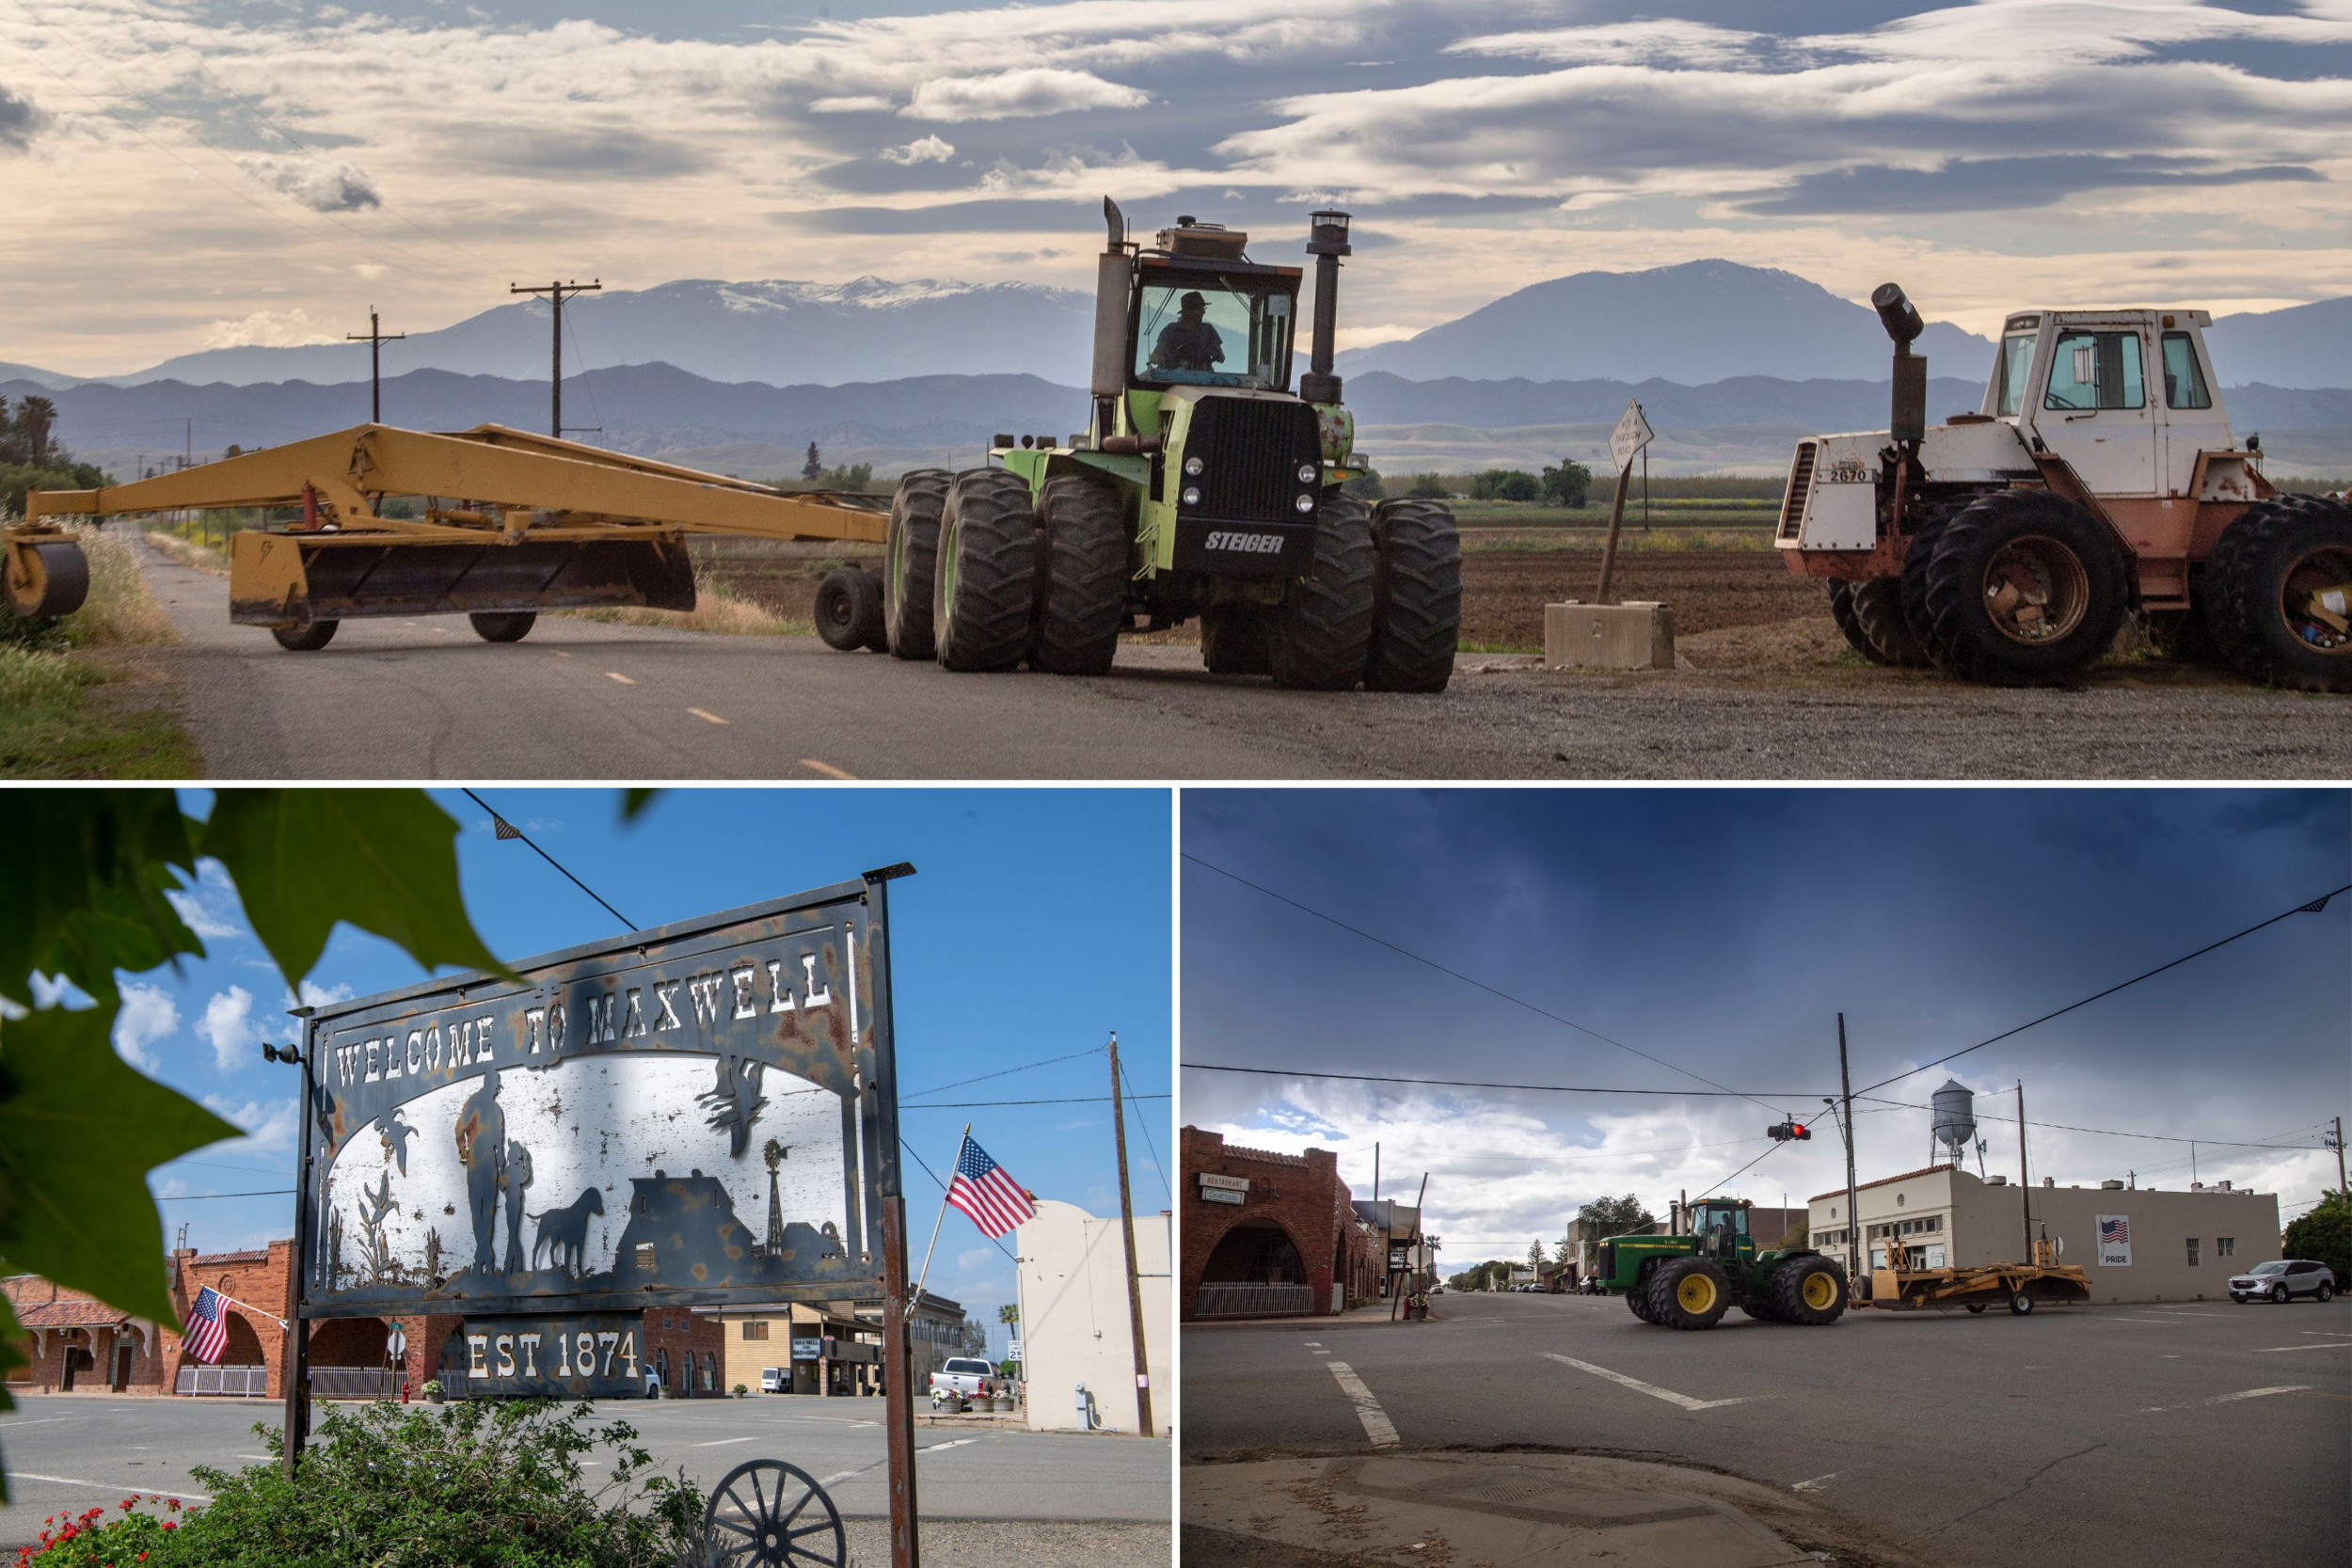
x: 1477, y: 1083
x: 1145, y: 1127
x: 1055, y: 1100
x: 508, y: 830
x: 1002, y: 1072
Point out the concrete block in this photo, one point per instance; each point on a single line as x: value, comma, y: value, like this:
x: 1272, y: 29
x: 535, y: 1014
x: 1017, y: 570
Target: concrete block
x: 1635, y: 635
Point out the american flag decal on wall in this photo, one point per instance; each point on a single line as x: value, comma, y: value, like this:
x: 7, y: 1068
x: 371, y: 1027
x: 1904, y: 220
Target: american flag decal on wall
x: 2114, y: 1230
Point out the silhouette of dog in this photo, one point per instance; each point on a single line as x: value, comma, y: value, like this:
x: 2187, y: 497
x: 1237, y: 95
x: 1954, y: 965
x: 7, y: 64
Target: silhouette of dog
x: 564, y: 1232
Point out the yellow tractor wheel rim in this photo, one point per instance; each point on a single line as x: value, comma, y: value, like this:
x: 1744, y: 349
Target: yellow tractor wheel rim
x: 1821, y: 1290
x: 1696, y: 1293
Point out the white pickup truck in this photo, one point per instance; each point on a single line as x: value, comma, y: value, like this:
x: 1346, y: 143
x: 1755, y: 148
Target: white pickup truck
x: 960, y: 1378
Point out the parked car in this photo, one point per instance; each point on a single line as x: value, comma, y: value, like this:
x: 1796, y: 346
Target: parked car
x: 2284, y: 1280
x: 960, y: 1378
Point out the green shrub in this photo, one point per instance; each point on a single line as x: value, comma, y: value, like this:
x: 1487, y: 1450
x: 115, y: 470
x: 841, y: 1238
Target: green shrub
x: 475, y: 1485
x: 2324, y: 1236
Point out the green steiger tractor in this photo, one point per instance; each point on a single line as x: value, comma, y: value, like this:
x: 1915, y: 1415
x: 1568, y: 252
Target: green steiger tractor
x: 1691, y: 1281
x: 1204, y: 486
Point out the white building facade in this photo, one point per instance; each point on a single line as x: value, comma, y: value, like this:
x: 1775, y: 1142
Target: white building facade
x: 2134, y: 1245
x: 1075, y: 1325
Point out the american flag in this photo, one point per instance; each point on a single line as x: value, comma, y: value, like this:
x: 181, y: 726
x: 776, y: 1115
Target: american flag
x: 983, y: 1190
x: 208, y: 1325
x: 2114, y: 1231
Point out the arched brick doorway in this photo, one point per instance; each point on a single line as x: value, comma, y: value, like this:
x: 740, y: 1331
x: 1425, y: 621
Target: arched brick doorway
x: 1255, y: 1269
x: 350, y: 1359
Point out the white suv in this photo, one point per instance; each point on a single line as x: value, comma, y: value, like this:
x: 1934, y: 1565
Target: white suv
x: 2284, y: 1280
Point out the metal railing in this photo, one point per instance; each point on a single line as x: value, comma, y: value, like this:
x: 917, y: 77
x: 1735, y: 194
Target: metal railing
x: 1247, y: 1300
x: 241, y: 1382
x: 353, y: 1383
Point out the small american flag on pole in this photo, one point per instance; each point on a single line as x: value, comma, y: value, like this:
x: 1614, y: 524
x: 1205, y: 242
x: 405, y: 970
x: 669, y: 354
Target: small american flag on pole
x: 208, y: 1325
x: 983, y: 1190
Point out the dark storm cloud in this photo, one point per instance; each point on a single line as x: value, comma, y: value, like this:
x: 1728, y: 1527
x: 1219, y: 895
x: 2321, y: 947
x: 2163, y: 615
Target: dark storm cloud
x: 19, y: 118
x: 1998, y: 184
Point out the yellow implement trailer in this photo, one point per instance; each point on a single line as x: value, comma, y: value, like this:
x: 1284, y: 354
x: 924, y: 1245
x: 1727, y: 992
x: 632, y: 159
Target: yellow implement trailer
x: 513, y: 524
x: 2020, y: 1287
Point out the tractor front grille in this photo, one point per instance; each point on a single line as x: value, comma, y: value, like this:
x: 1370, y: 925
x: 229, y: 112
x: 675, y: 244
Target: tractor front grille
x: 1800, y: 486
x: 1250, y: 452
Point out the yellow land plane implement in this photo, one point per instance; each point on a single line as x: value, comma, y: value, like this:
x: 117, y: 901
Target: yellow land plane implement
x: 2020, y: 1286
x: 513, y: 524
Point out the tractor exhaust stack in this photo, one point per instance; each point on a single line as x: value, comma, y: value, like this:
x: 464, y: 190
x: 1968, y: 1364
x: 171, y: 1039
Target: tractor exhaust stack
x: 1909, y: 422
x: 1327, y: 242
x: 1113, y: 280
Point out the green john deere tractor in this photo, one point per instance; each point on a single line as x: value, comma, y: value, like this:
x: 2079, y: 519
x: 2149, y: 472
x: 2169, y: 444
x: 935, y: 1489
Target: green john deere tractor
x: 1203, y: 488
x: 1691, y: 1281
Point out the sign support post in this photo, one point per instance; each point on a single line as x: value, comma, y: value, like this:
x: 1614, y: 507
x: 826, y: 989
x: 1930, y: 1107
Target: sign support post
x: 906, y: 1545
x: 296, y: 1363
x: 1631, y: 438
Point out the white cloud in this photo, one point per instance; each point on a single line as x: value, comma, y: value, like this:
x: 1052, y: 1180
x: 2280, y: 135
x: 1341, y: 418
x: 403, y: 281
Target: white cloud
x: 316, y: 995
x: 148, y: 1016
x: 857, y: 104
x: 318, y: 184
x: 1019, y: 95
x: 266, y: 330
x: 229, y: 1028
x: 269, y: 1126
x: 923, y: 149
x: 206, y: 908
x: 973, y: 1259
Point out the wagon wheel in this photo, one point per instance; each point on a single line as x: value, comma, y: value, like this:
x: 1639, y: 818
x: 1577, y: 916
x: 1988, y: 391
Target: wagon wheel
x: 770, y: 1514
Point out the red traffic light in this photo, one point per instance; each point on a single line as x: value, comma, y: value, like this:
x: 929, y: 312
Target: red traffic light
x: 1798, y: 1130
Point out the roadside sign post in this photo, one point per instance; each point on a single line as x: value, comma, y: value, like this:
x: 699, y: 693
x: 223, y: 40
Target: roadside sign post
x: 1631, y: 439
x: 702, y: 1113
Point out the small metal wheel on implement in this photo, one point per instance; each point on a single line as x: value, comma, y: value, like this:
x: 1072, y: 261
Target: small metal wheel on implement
x: 2024, y: 586
x: 849, y: 609
x: 307, y: 636
x: 770, y: 1514
x: 45, y: 578
x: 1689, y: 1293
x: 2279, y: 593
x: 504, y: 625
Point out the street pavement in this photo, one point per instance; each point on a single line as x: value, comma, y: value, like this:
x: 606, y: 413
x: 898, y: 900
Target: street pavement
x: 424, y: 698
x: 75, y: 1450
x: 2178, y: 1432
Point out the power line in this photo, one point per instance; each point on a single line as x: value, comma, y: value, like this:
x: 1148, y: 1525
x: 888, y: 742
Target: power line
x: 2102, y: 1131
x: 1005, y: 1073
x: 1492, y: 991
x: 1473, y: 1084
x: 504, y: 829
x: 200, y: 1198
x: 1742, y: 1170
x: 1145, y: 1127
x: 1060, y: 1100
x: 2314, y: 906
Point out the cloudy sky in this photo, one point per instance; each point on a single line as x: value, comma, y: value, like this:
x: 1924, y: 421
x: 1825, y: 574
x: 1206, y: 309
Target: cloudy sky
x: 189, y: 173
x: 988, y: 917
x: 1723, y: 932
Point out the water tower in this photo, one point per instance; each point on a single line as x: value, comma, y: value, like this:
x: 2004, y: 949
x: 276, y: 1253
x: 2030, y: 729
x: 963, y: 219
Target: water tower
x: 1954, y: 1124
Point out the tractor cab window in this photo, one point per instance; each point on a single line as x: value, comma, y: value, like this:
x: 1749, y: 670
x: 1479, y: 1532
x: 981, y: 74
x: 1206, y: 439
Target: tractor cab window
x: 2091, y: 370
x: 2184, y: 379
x: 1214, y: 331
x: 2016, y: 362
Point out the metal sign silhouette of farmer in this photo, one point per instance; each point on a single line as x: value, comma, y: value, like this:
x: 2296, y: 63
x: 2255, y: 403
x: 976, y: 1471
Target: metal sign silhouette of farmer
x: 481, y: 1139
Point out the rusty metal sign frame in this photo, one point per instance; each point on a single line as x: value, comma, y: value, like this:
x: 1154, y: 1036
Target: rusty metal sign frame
x: 776, y: 1008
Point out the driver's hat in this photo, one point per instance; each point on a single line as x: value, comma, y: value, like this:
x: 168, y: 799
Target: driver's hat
x: 1194, y: 300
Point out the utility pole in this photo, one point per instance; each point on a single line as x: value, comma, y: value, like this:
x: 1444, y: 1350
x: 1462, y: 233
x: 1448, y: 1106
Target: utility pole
x: 555, y: 293
x: 1127, y: 1233
x: 375, y: 337
x: 2341, y: 1190
x: 2025, y: 1183
x: 1845, y: 1088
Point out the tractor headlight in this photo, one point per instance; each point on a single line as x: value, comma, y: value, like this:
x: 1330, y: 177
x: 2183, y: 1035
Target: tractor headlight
x: 1307, y: 472
x: 1191, y: 495
x: 1193, y: 467
x: 1305, y: 503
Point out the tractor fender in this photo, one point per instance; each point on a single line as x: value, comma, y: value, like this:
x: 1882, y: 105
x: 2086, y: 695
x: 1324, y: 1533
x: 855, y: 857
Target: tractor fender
x: 1131, y: 472
x: 2063, y: 483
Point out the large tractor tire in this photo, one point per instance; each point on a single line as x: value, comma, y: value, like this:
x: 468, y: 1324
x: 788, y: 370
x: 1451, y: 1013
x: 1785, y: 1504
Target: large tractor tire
x: 849, y: 609
x: 984, y: 591
x: 1912, y: 584
x: 1082, y: 601
x: 910, y: 557
x: 1416, y: 597
x: 2024, y: 586
x: 46, y: 578
x: 1322, y: 635
x: 1760, y: 1308
x: 1235, y: 638
x: 2278, y: 592
x: 1841, y: 612
x: 1809, y: 1290
x: 307, y: 638
x: 1877, y: 612
x: 1637, y: 1299
x: 504, y: 625
x: 1689, y: 1293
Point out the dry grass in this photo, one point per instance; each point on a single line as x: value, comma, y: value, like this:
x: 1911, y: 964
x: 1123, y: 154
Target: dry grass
x: 187, y: 552
x: 715, y: 610
x: 30, y: 678
x: 121, y: 611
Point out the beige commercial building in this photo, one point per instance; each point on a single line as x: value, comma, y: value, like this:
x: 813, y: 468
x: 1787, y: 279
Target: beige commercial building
x: 831, y: 1348
x: 2138, y: 1244
x: 1075, y: 1325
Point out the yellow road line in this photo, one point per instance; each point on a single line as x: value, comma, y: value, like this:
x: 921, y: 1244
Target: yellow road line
x: 616, y: 676
x: 703, y: 714
x: 828, y: 770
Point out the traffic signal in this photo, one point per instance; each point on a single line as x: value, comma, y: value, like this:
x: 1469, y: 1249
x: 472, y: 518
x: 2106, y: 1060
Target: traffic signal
x: 1798, y: 1130
x: 1784, y: 1130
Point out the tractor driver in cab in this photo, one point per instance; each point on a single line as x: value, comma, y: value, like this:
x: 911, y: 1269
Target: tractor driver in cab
x: 1188, y: 343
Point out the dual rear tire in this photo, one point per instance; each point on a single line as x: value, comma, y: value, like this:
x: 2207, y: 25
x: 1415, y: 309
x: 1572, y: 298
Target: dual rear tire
x: 2277, y: 591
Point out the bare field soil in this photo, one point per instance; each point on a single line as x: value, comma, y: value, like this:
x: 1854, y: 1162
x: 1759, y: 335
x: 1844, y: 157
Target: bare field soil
x: 1504, y: 591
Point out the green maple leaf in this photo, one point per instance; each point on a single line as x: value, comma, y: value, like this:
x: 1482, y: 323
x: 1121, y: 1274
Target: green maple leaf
x: 384, y: 860
x: 87, y: 880
x: 9, y: 1356
x: 67, y: 1103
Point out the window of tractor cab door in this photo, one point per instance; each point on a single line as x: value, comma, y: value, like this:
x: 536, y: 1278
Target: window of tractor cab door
x: 2015, y: 366
x: 2183, y: 377
x: 2095, y: 369
x: 1252, y: 320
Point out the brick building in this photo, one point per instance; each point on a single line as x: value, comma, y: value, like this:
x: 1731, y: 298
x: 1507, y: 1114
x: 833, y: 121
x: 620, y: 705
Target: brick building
x: 1269, y: 1235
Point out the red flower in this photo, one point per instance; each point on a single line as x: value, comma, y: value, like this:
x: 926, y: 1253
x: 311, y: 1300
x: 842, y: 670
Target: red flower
x: 171, y: 1524
x: 174, y: 1504
x: 126, y: 1504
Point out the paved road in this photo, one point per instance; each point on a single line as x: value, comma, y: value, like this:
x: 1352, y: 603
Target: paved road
x: 75, y: 1450
x: 404, y: 699
x: 2200, y: 1433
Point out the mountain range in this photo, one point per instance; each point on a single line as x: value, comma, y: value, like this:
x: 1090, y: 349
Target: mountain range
x: 1699, y: 324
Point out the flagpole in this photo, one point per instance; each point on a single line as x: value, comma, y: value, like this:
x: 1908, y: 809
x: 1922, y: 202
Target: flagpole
x: 917, y: 1299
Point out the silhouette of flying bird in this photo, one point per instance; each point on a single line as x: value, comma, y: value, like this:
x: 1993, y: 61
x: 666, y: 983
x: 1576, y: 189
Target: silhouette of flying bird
x: 735, y: 1101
